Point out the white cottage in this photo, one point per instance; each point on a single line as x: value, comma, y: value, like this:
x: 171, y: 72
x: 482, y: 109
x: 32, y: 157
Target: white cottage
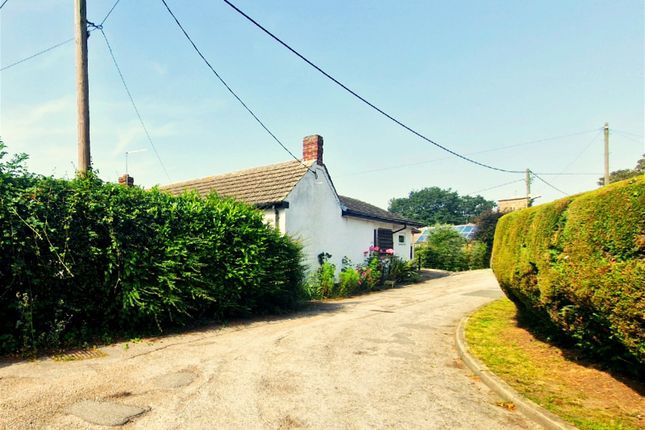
x: 299, y: 199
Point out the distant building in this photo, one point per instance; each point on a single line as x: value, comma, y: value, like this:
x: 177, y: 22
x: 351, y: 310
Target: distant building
x: 513, y: 204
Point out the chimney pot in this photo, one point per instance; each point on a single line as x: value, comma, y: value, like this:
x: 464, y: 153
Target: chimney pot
x: 126, y: 180
x: 312, y: 148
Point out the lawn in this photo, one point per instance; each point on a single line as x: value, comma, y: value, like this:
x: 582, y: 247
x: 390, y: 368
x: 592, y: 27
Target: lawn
x: 551, y: 376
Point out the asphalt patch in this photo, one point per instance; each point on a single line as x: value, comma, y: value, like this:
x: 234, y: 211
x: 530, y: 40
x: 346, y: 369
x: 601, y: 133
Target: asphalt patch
x: 105, y: 413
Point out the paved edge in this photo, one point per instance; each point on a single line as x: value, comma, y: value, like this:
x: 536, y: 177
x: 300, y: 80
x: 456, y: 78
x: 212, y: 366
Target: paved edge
x: 532, y: 410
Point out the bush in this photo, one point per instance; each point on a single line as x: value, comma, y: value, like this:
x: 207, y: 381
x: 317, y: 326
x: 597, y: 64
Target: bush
x: 83, y: 259
x: 446, y: 249
x: 476, y: 252
x: 578, y: 263
x: 349, y: 281
x: 402, y: 272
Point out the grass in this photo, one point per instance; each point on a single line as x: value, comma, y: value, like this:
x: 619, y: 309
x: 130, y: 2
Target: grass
x: 551, y: 376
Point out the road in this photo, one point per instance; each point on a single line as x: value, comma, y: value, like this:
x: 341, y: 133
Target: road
x: 382, y: 360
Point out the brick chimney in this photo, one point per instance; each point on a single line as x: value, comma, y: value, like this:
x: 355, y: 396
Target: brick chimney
x: 312, y: 148
x: 126, y: 180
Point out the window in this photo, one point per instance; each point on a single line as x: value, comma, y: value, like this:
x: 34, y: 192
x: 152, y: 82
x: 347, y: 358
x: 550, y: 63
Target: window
x: 383, y: 238
x: 401, y: 238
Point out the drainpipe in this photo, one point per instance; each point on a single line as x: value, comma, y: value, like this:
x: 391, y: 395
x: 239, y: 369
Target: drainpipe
x: 276, y: 218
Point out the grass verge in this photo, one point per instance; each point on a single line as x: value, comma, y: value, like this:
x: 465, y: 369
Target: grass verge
x: 551, y: 376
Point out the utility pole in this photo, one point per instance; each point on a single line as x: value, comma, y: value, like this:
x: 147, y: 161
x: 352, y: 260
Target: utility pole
x: 527, y: 179
x: 82, y: 87
x: 606, y: 153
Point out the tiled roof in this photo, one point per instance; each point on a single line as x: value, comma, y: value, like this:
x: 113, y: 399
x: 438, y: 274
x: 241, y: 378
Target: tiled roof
x: 258, y: 186
x: 357, y: 208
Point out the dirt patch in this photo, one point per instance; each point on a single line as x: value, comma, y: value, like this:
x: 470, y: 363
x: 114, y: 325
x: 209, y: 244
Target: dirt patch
x: 598, y: 389
x: 547, y: 374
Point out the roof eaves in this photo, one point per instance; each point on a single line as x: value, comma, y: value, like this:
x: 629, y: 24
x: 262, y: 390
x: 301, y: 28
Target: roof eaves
x: 393, y: 220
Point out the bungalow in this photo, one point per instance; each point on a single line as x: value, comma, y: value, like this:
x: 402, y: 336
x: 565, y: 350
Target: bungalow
x: 299, y: 198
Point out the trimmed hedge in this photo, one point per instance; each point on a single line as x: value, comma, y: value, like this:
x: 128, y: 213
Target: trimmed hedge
x: 579, y: 263
x: 83, y: 259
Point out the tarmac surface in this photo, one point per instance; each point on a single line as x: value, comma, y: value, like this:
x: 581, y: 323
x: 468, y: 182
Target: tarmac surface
x: 382, y: 360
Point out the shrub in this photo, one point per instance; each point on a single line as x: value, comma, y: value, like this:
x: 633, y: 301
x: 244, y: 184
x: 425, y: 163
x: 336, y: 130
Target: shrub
x: 476, y: 252
x: 83, y: 259
x: 579, y: 264
x: 349, y: 281
x: 443, y: 250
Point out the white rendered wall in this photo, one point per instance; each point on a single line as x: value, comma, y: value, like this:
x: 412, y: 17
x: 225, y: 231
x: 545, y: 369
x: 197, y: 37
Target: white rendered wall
x: 315, y: 219
x: 269, y: 218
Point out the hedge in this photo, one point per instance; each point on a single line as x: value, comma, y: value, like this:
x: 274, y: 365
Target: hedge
x: 579, y: 264
x: 81, y: 259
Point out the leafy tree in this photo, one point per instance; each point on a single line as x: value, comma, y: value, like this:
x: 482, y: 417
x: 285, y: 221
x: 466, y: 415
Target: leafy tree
x: 485, y: 233
x: 619, y: 175
x: 435, y: 205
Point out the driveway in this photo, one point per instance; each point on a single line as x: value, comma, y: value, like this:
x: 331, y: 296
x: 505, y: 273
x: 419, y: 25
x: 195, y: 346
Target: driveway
x: 383, y: 360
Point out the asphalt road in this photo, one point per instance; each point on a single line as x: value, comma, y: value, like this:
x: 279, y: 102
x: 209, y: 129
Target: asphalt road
x: 383, y: 360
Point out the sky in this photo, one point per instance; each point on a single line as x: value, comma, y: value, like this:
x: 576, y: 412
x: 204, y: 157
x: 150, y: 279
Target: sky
x: 512, y: 84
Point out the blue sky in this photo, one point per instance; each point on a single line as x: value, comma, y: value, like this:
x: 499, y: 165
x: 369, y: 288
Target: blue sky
x: 474, y: 76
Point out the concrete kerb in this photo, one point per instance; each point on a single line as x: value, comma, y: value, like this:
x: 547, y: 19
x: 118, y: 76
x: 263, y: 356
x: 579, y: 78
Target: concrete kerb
x: 530, y: 409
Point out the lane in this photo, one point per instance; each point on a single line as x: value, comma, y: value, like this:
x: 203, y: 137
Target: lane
x: 384, y: 360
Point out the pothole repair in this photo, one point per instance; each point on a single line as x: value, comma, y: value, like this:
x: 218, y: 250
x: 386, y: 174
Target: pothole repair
x: 105, y: 413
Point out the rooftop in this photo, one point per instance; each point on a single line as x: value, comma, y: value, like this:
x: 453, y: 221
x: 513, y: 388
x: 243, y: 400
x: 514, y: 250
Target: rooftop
x: 259, y: 186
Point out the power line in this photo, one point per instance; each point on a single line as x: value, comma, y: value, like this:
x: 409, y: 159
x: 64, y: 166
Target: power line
x: 58, y: 44
x: 109, y: 12
x: 3, y: 3
x: 373, y: 106
x: 531, y: 142
x: 134, y: 105
x: 593, y: 139
x: 627, y: 132
x: 496, y: 186
x: 552, y: 186
x: 629, y: 136
x: 36, y: 54
x: 230, y: 90
x: 569, y: 174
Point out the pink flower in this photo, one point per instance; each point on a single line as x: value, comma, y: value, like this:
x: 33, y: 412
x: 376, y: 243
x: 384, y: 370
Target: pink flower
x: 376, y: 248
x: 389, y: 251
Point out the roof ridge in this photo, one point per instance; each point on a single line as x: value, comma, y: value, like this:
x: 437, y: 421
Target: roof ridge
x: 305, y: 164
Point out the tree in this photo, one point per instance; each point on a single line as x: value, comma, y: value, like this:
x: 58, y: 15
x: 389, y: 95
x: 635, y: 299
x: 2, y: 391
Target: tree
x: 435, y: 205
x: 485, y: 233
x: 619, y: 175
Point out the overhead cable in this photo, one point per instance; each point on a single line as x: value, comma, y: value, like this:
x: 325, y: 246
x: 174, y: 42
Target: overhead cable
x: 134, y: 105
x: 3, y: 3
x: 64, y: 42
x: 359, y: 97
x: 500, y: 148
x: 36, y: 54
x: 109, y: 12
x: 230, y: 90
x: 496, y: 186
x: 547, y: 183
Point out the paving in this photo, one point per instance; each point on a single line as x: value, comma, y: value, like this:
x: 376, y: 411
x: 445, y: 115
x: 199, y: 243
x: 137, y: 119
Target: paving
x: 382, y: 360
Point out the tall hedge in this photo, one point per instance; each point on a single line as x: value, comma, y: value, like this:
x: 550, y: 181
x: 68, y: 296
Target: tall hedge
x: 579, y: 263
x: 81, y: 259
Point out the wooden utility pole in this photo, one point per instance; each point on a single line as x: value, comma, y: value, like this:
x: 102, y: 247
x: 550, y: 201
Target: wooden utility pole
x: 606, y: 153
x: 527, y: 179
x: 82, y: 87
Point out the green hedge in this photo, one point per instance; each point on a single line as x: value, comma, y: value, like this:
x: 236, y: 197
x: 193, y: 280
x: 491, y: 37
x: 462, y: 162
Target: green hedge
x: 579, y: 263
x: 83, y: 259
